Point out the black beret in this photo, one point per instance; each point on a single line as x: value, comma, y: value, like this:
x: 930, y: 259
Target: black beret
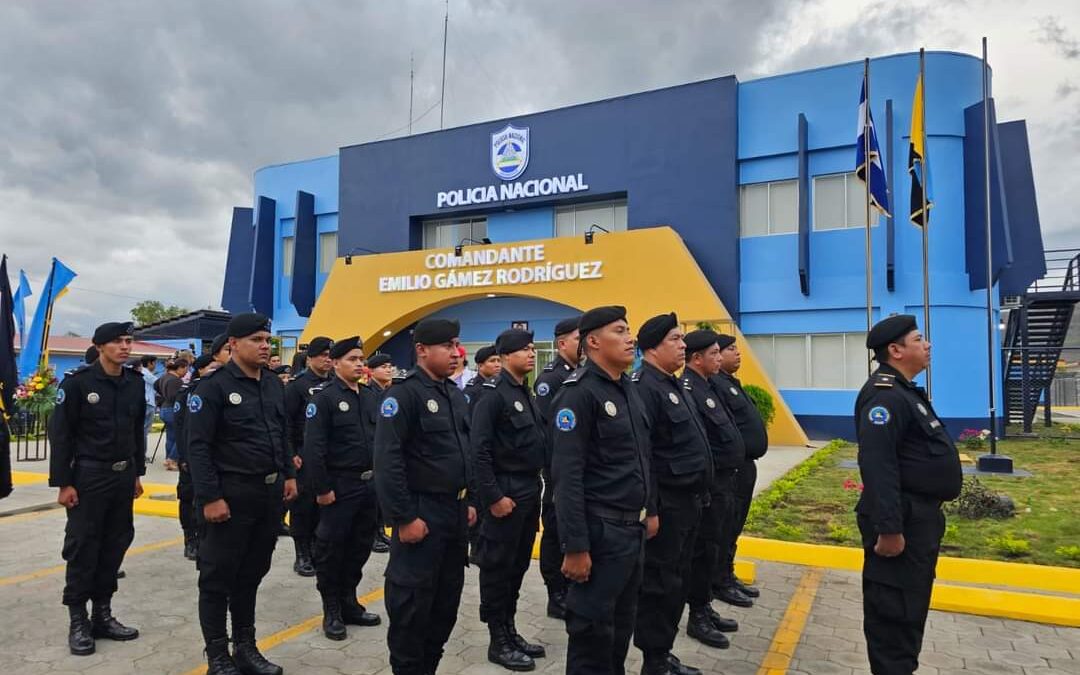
x: 91, y: 354
x: 281, y: 370
x: 598, y: 317
x: 435, y: 331
x: 484, y: 353
x: 218, y: 344
x: 343, y: 347
x: 510, y: 341
x: 202, y: 362
x: 319, y: 346
x: 107, y: 332
x: 700, y: 340
x: 379, y: 360
x: 725, y: 340
x: 248, y: 323
x: 567, y: 326
x: 653, y: 331
x: 890, y: 330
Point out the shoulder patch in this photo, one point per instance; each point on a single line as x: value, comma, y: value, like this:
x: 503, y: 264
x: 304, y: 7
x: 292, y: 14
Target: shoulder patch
x: 879, y: 415
x: 389, y: 407
x: 565, y: 420
x: 60, y: 396
x: 194, y: 403
x: 176, y: 407
x: 311, y: 410
x: 543, y: 389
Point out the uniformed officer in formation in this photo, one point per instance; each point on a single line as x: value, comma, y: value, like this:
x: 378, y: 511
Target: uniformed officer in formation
x: 338, y: 459
x: 600, y: 467
x: 98, y: 453
x: 242, y: 473
x: 726, y: 586
x: 488, y: 365
x: 303, y: 513
x: 547, y: 385
x: 717, y: 519
x: 509, y: 442
x: 682, y: 472
x: 381, y: 367
x: 422, y: 473
x: 909, y: 466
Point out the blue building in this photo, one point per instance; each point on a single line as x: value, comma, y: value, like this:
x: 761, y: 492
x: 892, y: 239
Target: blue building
x: 756, y: 178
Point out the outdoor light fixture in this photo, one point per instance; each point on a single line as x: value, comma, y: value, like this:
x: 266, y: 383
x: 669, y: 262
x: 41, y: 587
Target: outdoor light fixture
x: 589, y: 233
x: 387, y: 333
x: 461, y: 244
x: 349, y: 255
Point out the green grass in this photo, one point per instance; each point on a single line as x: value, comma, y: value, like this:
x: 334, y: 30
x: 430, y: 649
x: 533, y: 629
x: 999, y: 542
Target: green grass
x: 810, y: 504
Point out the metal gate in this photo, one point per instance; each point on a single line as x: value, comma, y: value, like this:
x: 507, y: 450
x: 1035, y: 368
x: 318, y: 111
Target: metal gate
x: 28, y: 435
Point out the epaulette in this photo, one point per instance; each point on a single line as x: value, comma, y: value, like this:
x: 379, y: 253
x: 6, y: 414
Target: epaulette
x: 549, y: 367
x: 686, y: 384
x: 319, y: 387
x: 473, y: 381
x: 490, y: 384
x: 212, y: 373
x: 407, y: 375
x: 576, y: 376
x: 884, y: 380
x: 635, y: 376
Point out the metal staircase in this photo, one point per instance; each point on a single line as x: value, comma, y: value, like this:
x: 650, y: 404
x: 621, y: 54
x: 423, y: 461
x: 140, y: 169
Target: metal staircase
x: 1034, y: 337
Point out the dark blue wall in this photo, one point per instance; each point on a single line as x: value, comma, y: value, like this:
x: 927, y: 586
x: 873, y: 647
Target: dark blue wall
x: 261, y: 288
x: 672, y: 152
x: 1029, y: 261
x: 305, y: 255
x: 234, y: 292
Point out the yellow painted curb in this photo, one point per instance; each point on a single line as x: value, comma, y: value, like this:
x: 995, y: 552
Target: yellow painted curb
x: 28, y: 478
x: 1007, y: 604
x: 145, y: 506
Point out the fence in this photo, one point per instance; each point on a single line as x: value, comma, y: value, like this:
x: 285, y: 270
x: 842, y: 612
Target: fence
x: 28, y: 436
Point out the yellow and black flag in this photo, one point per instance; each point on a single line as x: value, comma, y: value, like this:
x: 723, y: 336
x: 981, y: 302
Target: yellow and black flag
x: 920, y: 191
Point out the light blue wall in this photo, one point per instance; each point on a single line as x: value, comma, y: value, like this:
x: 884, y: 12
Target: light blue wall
x: 521, y: 225
x: 483, y: 320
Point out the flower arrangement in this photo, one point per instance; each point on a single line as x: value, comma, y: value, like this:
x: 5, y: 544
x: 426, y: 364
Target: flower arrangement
x: 974, y: 439
x: 37, y: 394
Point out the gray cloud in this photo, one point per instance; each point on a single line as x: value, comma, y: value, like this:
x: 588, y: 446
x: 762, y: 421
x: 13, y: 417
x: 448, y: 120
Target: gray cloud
x: 1052, y: 32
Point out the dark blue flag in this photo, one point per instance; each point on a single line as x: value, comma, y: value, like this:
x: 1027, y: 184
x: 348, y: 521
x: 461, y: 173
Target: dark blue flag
x: 879, y: 189
x: 9, y: 377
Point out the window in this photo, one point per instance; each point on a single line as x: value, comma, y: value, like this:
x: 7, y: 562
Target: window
x: 840, y: 203
x: 327, y: 251
x: 288, y: 248
x: 449, y: 233
x: 816, y: 361
x: 769, y: 208
x: 572, y: 221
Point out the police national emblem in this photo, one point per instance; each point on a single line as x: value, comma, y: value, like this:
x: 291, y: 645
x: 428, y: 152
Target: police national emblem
x: 194, y: 403
x: 543, y: 389
x: 343, y: 406
x: 310, y: 411
x: 565, y: 420
x: 510, y: 152
x: 879, y: 415
x: 60, y: 396
x: 610, y: 409
x: 433, y: 405
x: 518, y: 406
x: 93, y: 397
x: 389, y: 407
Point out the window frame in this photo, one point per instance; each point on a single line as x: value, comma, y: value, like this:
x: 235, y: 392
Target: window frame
x: 848, y: 177
x: 768, y: 208
x: 808, y: 373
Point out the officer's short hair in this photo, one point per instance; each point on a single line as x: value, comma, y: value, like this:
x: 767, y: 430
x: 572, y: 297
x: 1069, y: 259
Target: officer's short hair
x: 147, y: 360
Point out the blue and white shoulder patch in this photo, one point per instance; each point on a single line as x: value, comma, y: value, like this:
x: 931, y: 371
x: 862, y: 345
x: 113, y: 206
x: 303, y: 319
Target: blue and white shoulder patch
x: 389, y: 407
x: 60, y: 396
x: 310, y: 411
x: 176, y: 407
x: 543, y: 389
x: 565, y: 420
x: 879, y: 415
x: 194, y: 403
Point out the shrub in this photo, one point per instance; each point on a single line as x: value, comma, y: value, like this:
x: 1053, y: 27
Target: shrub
x: 978, y: 501
x: 1009, y: 546
x: 1068, y: 552
x: 772, y: 497
x: 952, y: 531
x: 763, y: 401
x: 839, y: 533
x: 788, y: 532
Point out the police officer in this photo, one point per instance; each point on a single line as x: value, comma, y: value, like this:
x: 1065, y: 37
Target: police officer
x: 421, y: 473
x: 242, y: 473
x: 185, y: 490
x: 726, y: 586
x: 98, y: 453
x: 566, y: 360
x: 600, y: 468
x: 728, y: 452
x: 382, y: 371
x: 338, y: 459
x: 304, y: 515
x: 909, y: 466
x: 682, y: 470
x: 509, y: 444
x: 488, y: 365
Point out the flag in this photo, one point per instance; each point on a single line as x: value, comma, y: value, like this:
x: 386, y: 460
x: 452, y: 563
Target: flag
x: 9, y: 376
x: 33, y: 352
x: 917, y: 159
x: 879, y: 189
x: 19, y: 304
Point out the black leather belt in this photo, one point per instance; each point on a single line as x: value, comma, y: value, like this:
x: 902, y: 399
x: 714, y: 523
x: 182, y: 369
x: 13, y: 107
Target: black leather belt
x: 354, y: 473
x: 615, y: 514
x: 122, y: 465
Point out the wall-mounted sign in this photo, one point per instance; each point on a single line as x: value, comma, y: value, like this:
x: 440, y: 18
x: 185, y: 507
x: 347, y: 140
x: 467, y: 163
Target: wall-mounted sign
x: 510, y: 152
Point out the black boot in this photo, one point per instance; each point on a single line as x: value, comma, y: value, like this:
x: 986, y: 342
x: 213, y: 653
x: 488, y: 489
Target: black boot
x: 381, y: 544
x: 502, y: 652
x: 107, y: 627
x: 677, y: 667
x: 80, y: 633
x: 218, y: 660
x: 700, y: 627
x: 303, y: 565
x: 354, y: 614
x: 531, y: 650
x: 748, y: 591
x: 731, y: 595
x: 656, y: 664
x: 247, y: 657
x: 191, y: 546
x: 556, y: 607
x: 333, y: 625
x: 722, y: 624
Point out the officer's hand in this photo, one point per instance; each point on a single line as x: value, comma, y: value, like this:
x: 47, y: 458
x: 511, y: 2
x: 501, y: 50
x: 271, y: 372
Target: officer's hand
x: 216, y: 511
x: 68, y: 497
x: 652, y: 526
x: 298, y: 462
x: 326, y: 499
x: 472, y: 516
x: 290, y: 489
x: 577, y: 566
x: 503, y: 507
x: 889, y: 545
x: 414, y: 532
x: 138, y: 488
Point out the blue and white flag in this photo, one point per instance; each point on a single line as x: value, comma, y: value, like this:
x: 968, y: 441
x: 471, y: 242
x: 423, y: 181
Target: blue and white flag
x: 879, y: 189
x: 19, y: 303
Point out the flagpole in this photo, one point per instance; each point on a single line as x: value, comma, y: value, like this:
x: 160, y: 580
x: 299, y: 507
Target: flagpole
x: 48, y: 318
x: 990, y: 327
x: 866, y: 175
x: 926, y: 222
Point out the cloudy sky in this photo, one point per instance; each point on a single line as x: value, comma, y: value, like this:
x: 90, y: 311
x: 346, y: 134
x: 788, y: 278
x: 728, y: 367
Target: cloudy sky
x: 131, y: 128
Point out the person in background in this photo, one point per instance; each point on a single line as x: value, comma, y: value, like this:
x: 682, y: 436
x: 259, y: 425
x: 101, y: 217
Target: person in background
x: 284, y: 373
x: 381, y: 372
x: 185, y: 491
x: 168, y: 385
x: 275, y: 362
x: 147, y: 366
x: 463, y: 374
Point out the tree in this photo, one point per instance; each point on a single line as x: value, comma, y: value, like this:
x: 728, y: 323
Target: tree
x: 152, y: 311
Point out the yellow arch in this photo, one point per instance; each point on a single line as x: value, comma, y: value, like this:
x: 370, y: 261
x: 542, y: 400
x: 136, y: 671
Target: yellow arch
x: 649, y: 271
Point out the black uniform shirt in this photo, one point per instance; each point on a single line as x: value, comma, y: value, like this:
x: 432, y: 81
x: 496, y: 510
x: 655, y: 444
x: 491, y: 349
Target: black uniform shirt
x: 421, y: 443
x: 725, y: 441
x: 508, y: 436
x: 337, y: 435
x: 97, y: 417
x: 298, y: 393
x: 547, y: 385
x: 601, y: 450
x: 681, y: 458
x: 474, y: 390
x: 180, y: 412
x: 235, y: 424
x: 903, y: 448
x: 746, y: 415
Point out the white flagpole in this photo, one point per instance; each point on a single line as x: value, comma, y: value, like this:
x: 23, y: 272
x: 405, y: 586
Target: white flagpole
x: 866, y: 176
x: 926, y: 220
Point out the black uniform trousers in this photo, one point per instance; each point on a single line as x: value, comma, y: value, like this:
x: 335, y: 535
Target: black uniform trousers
x: 745, y: 479
x: 344, y: 535
x: 185, y: 496
x: 303, y: 511
x: 718, y: 521
x: 601, y: 612
x: 423, y: 585
x: 896, y: 591
x: 504, y: 551
x: 98, y: 533
x: 235, y: 555
x: 667, y: 572
x: 550, y: 551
